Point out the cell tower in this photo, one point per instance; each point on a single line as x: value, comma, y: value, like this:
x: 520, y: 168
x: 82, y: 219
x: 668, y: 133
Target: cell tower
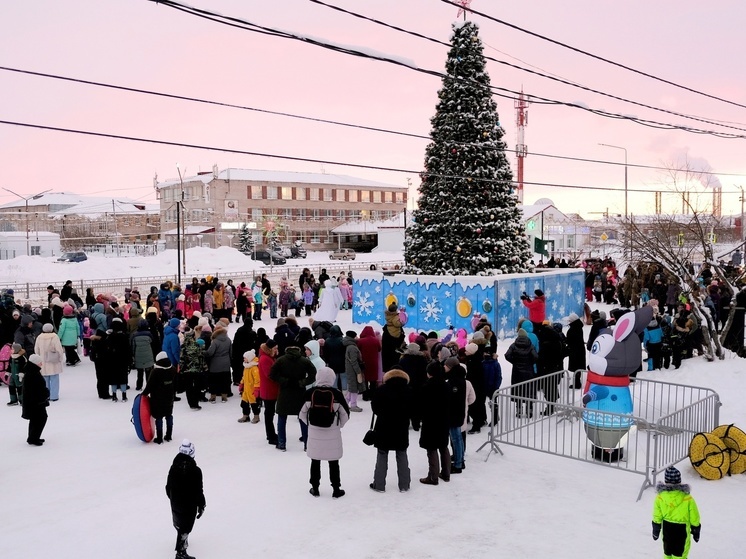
x: 521, y: 150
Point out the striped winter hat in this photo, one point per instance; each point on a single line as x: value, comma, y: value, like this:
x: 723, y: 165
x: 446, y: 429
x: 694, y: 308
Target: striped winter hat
x: 673, y: 476
x: 187, y: 447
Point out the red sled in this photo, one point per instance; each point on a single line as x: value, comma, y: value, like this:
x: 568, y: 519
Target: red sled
x: 141, y: 419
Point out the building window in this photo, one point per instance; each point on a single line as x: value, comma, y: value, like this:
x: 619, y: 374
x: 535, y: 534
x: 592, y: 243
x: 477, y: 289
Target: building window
x: 388, y: 196
x: 376, y: 196
x: 271, y: 193
x: 287, y: 192
x: 256, y: 192
x: 354, y: 196
x: 256, y: 214
x: 399, y: 197
x: 327, y: 195
x: 300, y: 193
x: 340, y: 214
x: 287, y: 213
x: 571, y: 241
x: 35, y: 250
x: 341, y: 196
x: 328, y: 213
x: 365, y: 195
x: 315, y: 237
x: 301, y: 213
x: 316, y: 214
x: 167, y: 195
x: 313, y: 193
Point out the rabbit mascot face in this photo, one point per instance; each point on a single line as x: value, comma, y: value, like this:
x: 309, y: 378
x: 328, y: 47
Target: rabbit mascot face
x: 614, y: 356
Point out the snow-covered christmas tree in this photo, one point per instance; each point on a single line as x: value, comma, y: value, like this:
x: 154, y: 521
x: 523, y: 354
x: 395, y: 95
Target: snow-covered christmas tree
x: 467, y: 222
x: 245, y: 240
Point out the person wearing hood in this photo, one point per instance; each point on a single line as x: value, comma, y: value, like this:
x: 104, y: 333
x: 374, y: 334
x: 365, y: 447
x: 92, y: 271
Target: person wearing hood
x: 117, y: 358
x: 333, y: 353
x: 49, y: 348
x: 25, y: 336
x: 244, y: 340
x: 537, y: 312
x: 268, y: 389
x: 285, y: 333
x: 97, y: 350
x: 162, y: 390
x: 551, y: 360
x: 652, y: 341
x: 575, y: 349
x: 353, y: 369
x: 370, y: 349
x: 313, y: 350
x: 69, y: 333
x: 461, y: 395
x: 292, y: 372
x: 142, y: 352
x: 219, y: 364
x: 675, y: 516
x: 392, y: 338
x: 304, y: 335
x: 320, y: 328
x: 392, y: 406
x: 325, y: 412
x: 475, y: 376
x: 523, y: 356
x: 434, y: 433
x: 16, y: 365
x: 249, y: 388
x: 599, y: 323
x: 35, y: 400
x: 171, y: 343
x: 134, y: 320
x: 185, y: 492
x: 166, y: 301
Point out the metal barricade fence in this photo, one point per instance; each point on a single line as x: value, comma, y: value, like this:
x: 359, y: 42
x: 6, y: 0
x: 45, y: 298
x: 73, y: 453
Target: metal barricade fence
x: 37, y: 292
x: 656, y: 435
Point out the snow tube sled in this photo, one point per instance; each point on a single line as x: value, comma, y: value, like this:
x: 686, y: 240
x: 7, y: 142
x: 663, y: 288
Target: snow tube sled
x: 709, y: 456
x: 735, y: 440
x: 144, y: 424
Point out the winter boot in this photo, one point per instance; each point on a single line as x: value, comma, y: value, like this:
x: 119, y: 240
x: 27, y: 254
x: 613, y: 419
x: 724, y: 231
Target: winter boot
x: 169, y: 432
x: 337, y: 493
x: 114, y: 397
x: 124, y: 396
x: 255, y: 419
x: 314, y: 491
x: 158, y: 435
x: 183, y: 555
x: 243, y: 419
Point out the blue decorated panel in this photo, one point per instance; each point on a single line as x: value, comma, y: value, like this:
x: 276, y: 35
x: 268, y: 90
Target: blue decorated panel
x: 509, y: 307
x: 473, y: 297
x: 367, y: 298
x: 434, y: 309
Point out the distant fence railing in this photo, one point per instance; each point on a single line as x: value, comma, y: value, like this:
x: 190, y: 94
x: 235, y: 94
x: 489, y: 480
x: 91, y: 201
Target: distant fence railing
x: 665, y: 418
x: 37, y: 291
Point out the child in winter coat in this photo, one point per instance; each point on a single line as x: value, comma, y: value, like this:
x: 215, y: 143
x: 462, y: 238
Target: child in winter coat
x: 16, y: 366
x: 87, y: 333
x: 181, y: 304
x: 208, y: 301
x: 675, y: 514
x: 652, y: 341
x: 284, y: 300
x: 272, y: 304
x: 308, y: 297
x: 249, y: 388
x: 325, y: 411
x: 196, y: 303
x: 346, y: 292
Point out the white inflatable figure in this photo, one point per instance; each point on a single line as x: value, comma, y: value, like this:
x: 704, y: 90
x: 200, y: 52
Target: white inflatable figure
x: 329, y: 302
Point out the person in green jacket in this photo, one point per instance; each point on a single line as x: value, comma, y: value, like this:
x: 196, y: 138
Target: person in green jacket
x: 675, y: 513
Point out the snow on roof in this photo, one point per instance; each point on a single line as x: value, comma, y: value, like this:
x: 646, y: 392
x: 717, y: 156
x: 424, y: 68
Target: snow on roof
x: 191, y: 230
x: 254, y: 175
x: 366, y: 227
x: 22, y: 234
x: 534, y: 209
x: 65, y: 203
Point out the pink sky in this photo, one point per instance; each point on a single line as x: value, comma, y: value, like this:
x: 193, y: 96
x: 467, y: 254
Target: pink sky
x: 144, y: 45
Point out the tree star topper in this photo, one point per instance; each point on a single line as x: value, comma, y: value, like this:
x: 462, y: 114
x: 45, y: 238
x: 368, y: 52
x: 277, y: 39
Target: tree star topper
x: 461, y: 10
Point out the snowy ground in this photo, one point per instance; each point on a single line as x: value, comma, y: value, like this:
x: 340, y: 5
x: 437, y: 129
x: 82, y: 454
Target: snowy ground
x: 94, y: 490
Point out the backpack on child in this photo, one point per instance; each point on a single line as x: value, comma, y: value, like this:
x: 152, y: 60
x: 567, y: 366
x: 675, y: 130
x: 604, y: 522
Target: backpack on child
x: 321, y: 412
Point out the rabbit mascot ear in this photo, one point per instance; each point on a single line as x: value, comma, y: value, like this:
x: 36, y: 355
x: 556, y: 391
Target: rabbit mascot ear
x: 619, y: 353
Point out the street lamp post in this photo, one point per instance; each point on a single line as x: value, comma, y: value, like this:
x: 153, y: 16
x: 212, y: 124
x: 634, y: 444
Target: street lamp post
x: 626, y: 191
x: 180, y: 229
x: 26, y: 199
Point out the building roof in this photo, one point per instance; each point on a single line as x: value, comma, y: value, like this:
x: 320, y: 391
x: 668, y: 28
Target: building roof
x: 32, y: 235
x: 366, y: 227
x: 256, y: 175
x: 65, y: 203
x: 192, y: 230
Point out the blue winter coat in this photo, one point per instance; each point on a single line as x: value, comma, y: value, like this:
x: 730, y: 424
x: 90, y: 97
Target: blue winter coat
x: 171, y: 344
x: 69, y: 331
x: 652, y: 336
x: 529, y: 328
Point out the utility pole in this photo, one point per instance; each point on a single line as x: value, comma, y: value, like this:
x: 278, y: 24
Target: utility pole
x: 180, y: 219
x: 26, y: 199
x: 116, y: 229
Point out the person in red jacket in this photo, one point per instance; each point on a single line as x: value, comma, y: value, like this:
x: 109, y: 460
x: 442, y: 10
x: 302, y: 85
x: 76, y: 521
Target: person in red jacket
x: 268, y: 389
x: 537, y: 312
x: 370, y: 348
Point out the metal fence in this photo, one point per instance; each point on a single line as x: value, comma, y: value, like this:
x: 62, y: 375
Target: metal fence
x: 654, y: 437
x: 37, y: 292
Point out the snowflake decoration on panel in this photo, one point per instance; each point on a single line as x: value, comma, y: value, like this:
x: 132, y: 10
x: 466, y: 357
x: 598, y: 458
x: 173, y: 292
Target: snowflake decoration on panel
x: 378, y: 317
x: 364, y: 303
x: 502, y: 293
x: 558, y: 289
x: 448, y: 320
x: 522, y: 286
x: 430, y: 309
x: 569, y: 291
x: 448, y: 294
x: 378, y: 288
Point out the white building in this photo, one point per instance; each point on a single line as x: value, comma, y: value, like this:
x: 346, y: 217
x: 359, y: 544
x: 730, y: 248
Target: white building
x: 35, y: 243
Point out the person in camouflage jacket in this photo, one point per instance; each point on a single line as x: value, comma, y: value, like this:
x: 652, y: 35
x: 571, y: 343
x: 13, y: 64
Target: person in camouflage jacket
x: 192, y: 369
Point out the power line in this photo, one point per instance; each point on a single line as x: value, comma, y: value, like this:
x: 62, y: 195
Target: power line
x: 530, y: 71
x: 248, y: 26
x: 321, y: 161
x: 591, y: 55
x: 315, y: 119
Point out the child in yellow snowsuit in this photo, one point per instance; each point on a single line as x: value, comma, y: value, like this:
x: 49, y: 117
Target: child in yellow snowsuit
x: 249, y: 388
x: 675, y: 513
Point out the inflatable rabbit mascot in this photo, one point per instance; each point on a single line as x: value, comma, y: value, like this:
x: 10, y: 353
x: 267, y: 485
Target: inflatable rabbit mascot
x: 614, y: 355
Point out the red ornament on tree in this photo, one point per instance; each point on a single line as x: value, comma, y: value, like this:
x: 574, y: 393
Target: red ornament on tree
x: 454, y: 151
x: 426, y: 220
x: 479, y: 231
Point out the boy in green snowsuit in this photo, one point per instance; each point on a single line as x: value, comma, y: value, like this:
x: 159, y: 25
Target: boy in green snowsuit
x: 15, y: 382
x: 676, y: 513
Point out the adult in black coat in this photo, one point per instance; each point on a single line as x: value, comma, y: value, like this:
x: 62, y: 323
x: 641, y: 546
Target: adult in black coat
x: 523, y: 356
x: 285, y: 333
x: 320, y: 328
x: 184, y: 490
x: 162, y: 389
x: 292, y: 372
x: 35, y: 400
x: 117, y: 355
x: 576, y: 349
x: 243, y: 340
x: 434, y: 433
x: 25, y: 336
x: 333, y: 353
x: 415, y: 365
x: 734, y: 337
x: 155, y: 327
x: 599, y: 323
x: 392, y: 404
x: 475, y: 375
x: 551, y: 359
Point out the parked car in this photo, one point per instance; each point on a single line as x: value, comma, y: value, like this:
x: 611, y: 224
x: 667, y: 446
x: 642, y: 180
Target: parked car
x: 283, y: 251
x: 268, y: 257
x: 73, y: 257
x: 342, y: 254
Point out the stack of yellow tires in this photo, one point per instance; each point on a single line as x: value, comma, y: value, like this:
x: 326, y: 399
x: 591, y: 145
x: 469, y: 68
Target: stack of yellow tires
x: 719, y: 453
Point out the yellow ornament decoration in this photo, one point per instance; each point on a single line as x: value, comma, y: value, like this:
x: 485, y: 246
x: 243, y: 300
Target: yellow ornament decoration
x: 391, y: 298
x: 463, y: 307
